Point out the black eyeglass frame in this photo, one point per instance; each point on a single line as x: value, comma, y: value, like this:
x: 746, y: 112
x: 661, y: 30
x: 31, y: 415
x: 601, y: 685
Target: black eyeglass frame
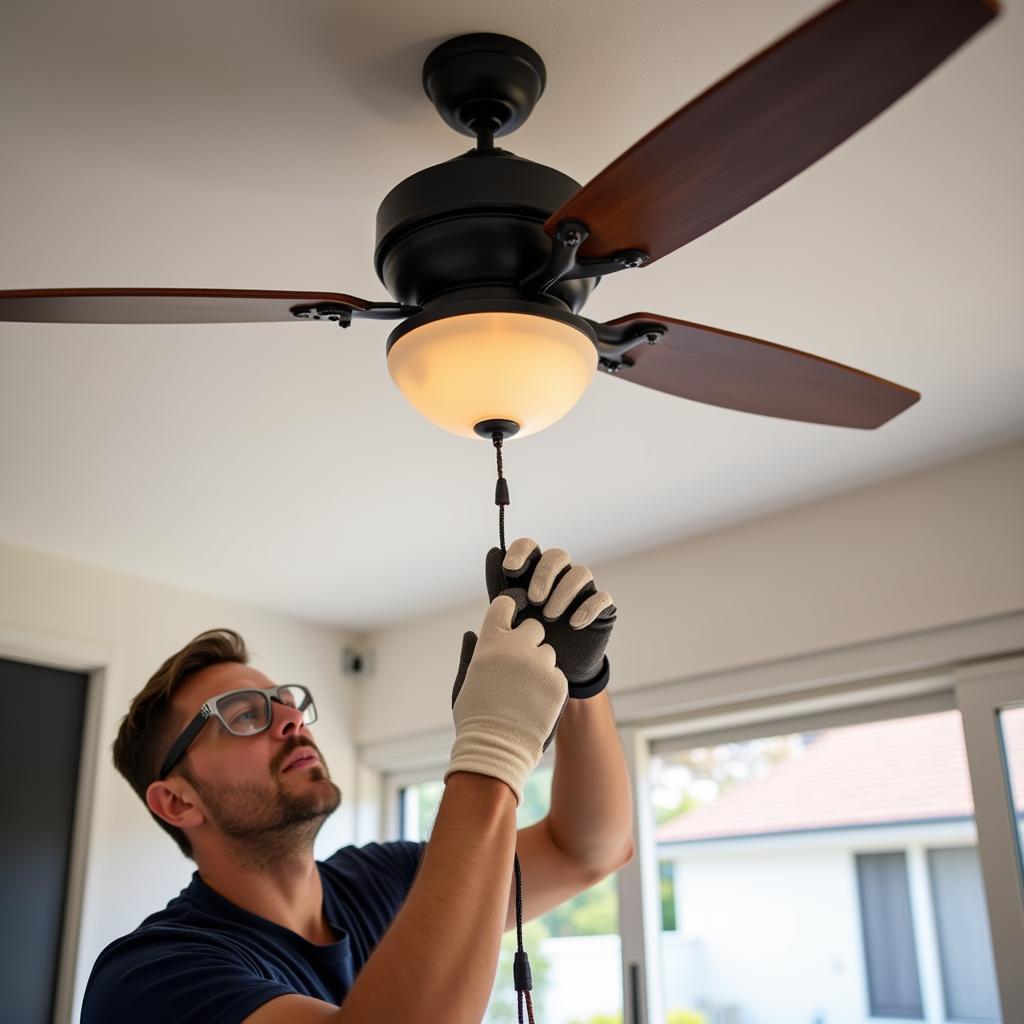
x: 209, y: 710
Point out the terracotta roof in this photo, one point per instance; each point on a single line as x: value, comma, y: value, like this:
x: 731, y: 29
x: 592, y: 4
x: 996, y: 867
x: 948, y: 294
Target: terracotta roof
x: 901, y: 770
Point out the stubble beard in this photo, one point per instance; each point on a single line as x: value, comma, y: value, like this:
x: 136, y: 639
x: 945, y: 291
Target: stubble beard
x: 267, y: 823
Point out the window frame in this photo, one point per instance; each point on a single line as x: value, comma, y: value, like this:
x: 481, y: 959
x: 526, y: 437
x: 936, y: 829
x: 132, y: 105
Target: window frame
x: 982, y: 692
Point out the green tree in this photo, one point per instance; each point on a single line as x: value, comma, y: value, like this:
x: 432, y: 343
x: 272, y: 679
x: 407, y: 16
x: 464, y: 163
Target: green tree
x: 595, y: 911
x: 666, y: 882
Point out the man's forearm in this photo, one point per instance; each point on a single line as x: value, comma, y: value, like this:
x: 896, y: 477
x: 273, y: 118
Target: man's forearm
x: 591, y: 816
x: 438, y: 959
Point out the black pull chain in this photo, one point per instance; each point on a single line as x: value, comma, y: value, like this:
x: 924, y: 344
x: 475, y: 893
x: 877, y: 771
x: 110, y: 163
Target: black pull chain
x: 501, y: 498
x: 522, y: 976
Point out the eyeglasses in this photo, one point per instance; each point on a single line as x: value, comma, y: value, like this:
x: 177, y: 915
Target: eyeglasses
x: 242, y: 713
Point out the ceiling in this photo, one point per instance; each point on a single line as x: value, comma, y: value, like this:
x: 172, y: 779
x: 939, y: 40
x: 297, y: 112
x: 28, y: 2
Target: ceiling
x: 246, y: 144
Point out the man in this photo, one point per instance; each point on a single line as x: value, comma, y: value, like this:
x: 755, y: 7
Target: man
x: 404, y: 932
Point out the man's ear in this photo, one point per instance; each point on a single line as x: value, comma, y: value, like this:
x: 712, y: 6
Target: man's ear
x: 174, y: 801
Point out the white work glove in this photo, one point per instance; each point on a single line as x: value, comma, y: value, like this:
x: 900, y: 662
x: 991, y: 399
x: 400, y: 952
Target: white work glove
x: 507, y: 699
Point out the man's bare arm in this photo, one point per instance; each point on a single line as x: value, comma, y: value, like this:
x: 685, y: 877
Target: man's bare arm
x: 438, y: 959
x: 588, y: 833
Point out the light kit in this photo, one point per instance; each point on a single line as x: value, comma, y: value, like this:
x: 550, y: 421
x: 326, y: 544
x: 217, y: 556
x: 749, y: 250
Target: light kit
x: 464, y: 370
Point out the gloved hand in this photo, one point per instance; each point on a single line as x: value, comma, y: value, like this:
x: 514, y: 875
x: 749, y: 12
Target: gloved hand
x: 507, y: 698
x: 578, y: 619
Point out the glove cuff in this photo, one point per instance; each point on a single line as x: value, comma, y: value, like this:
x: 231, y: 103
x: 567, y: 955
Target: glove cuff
x: 581, y: 691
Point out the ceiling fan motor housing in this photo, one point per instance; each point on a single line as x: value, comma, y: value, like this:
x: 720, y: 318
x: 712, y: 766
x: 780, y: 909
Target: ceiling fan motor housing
x: 472, y: 228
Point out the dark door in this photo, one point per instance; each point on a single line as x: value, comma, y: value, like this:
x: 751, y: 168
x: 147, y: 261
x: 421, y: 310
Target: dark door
x: 43, y: 712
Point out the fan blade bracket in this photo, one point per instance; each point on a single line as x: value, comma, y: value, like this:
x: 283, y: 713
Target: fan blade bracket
x: 602, y: 266
x: 336, y: 312
x: 564, y: 263
x: 568, y: 237
x: 328, y: 311
x: 615, y: 340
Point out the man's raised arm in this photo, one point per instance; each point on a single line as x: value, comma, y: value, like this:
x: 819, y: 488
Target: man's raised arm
x: 437, y: 960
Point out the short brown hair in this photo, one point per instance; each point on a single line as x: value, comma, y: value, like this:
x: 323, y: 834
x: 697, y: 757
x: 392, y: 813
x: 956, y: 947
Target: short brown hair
x: 147, y: 730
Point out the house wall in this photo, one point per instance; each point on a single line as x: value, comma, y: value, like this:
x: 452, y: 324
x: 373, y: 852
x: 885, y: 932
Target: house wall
x: 61, y: 612
x: 778, y: 936
x: 930, y: 549
x: 770, y: 927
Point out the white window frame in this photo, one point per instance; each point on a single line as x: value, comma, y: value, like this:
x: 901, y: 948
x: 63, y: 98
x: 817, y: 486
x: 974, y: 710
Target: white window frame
x: 977, y: 667
x: 982, y: 691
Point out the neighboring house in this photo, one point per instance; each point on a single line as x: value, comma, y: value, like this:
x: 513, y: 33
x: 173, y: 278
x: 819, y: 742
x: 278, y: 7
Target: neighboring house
x: 841, y: 887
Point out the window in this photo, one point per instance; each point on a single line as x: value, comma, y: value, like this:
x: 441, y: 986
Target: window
x: 890, y: 952
x: 574, y: 950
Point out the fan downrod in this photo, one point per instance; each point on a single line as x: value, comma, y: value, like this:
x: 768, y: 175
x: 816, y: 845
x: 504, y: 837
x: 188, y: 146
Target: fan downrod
x: 483, y: 84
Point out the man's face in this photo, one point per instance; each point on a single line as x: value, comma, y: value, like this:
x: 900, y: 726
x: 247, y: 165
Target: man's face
x: 249, y: 786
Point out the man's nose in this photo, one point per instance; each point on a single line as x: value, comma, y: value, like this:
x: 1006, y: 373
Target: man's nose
x: 286, y: 719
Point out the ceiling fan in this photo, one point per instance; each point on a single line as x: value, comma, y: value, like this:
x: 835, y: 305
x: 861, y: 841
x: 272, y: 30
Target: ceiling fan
x: 490, y: 257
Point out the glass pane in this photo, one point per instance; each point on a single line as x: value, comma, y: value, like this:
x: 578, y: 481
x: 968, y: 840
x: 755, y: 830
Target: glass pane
x: 575, y: 949
x: 815, y: 877
x: 1012, y: 724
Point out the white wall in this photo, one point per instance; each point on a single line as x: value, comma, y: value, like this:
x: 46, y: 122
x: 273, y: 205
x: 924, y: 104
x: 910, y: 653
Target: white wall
x: 779, y: 934
x: 929, y: 549
x: 61, y: 612
x: 772, y: 925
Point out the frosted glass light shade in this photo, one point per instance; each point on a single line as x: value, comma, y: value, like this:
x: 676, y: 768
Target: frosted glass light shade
x: 463, y: 369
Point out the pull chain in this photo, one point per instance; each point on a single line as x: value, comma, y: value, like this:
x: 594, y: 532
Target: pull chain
x: 501, y: 498
x: 521, y: 973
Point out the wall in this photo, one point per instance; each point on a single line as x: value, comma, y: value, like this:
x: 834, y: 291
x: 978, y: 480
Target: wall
x: 779, y: 935
x: 67, y: 613
x: 933, y: 548
x: 772, y: 925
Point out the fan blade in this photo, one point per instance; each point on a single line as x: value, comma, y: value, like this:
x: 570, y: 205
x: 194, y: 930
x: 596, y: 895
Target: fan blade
x: 162, y: 305
x: 734, y: 371
x: 766, y: 122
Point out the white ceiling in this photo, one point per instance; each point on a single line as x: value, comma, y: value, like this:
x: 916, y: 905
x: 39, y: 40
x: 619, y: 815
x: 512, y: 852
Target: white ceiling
x: 245, y: 144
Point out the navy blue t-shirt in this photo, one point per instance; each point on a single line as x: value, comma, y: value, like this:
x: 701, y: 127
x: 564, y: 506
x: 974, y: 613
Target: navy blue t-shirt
x: 202, y: 960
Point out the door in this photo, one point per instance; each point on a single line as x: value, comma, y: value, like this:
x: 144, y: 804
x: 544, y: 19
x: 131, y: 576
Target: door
x: 43, y: 713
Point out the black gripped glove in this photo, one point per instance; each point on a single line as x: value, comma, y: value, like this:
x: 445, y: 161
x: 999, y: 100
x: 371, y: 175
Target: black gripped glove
x: 577, y: 618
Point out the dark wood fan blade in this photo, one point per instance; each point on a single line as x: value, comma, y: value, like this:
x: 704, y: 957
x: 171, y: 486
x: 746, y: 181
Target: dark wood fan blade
x: 737, y: 372
x: 767, y: 121
x: 161, y: 305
